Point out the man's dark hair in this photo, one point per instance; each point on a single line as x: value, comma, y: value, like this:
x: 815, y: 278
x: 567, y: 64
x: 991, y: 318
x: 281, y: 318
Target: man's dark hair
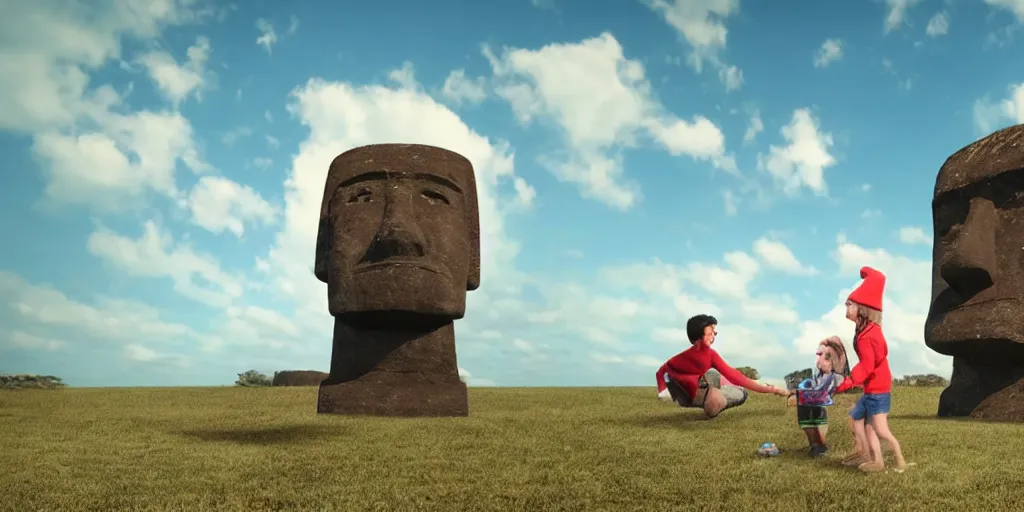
x: 695, y: 326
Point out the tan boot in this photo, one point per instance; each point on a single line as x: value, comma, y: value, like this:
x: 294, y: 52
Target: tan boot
x: 874, y: 466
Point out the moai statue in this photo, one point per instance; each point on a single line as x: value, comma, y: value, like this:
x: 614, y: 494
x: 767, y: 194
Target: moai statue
x: 977, y: 309
x: 399, y: 247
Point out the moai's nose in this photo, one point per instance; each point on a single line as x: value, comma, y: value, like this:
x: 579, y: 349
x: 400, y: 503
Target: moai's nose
x: 968, y: 259
x: 399, y: 237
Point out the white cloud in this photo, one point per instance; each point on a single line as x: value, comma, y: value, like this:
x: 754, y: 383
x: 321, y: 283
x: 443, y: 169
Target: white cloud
x: 25, y: 341
x: 139, y: 353
x: 472, y: 381
x: 525, y: 192
x: 831, y: 50
x: 729, y: 201
x: 49, y: 49
x: 44, y: 92
x: 896, y: 12
x: 230, y: 137
x: 756, y: 126
x: 990, y: 116
x: 197, y: 276
x: 272, y: 142
x: 262, y: 162
x: 461, y: 89
x: 912, y: 235
x: 778, y: 256
x: 268, y: 37
x: 731, y: 77
x: 702, y: 24
x: 108, y: 320
x: 802, y: 162
x: 601, y: 101
x: 1014, y: 6
x: 219, y: 204
x: 176, y: 82
x: 938, y: 25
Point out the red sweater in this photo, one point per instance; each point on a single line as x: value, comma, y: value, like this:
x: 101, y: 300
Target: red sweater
x: 688, y: 366
x: 872, y: 369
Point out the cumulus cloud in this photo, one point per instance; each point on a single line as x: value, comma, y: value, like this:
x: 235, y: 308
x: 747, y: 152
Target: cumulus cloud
x: 219, y: 204
x: 461, y: 89
x: 913, y: 235
x: 990, y: 116
x: 197, y: 276
x: 1016, y: 7
x: 896, y: 11
x: 601, y: 101
x: 177, y: 81
x: 831, y: 50
x: 802, y: 162
x: 938, y: 25
x: 755, y: 127
x: 776, y: 255
x: 701, y: 23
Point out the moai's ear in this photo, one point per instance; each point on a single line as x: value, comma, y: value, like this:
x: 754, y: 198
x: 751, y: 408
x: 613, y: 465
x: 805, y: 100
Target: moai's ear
x: 473, y: 224
x: 323, y: 249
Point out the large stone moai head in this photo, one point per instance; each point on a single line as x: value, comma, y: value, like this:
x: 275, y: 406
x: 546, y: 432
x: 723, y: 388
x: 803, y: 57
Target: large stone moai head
x: 977, y: 309
x: 399, y: 232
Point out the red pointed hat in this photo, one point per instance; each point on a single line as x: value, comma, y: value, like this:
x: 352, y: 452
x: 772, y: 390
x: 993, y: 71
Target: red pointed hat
x: 869, y: 293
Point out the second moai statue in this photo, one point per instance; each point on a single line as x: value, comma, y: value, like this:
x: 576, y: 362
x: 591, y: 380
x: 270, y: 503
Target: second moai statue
x: 977, y: 309
x: 398, y: 246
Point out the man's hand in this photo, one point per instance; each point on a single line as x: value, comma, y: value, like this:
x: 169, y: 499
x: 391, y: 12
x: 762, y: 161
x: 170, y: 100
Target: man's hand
x: 779, y: 391
x: 665, y: 396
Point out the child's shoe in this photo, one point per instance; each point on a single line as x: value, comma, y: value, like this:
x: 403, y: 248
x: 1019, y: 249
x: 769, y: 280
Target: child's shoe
x: 819, y: 450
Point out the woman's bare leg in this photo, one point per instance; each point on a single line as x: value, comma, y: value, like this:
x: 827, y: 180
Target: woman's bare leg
x: 876, y: 463
x: 861, y: 451
x: 880, y: 426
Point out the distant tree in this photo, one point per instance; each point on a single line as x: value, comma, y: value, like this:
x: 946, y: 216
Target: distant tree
x: 750, y: 373
x: 253, y: 378
x: 26, y: 381
x: 794, y: 378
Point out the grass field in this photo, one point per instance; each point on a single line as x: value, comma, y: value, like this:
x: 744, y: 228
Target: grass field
x: 521, y: 449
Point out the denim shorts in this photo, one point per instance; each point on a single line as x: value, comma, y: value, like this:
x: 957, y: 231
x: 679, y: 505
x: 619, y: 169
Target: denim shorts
x: 870, y: 404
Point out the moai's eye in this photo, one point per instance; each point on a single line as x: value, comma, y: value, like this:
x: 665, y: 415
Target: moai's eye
x: 362, y: 196
x: 435, y: 197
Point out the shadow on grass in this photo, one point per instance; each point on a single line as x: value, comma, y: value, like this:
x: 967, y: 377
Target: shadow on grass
x: 684, y: 419
x: 265, y: 436
x: 955, y: 419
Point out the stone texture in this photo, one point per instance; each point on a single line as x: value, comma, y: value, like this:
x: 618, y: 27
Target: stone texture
x: 1004, y: 405
x: 977, y: 308
x: 299, y: 378
x: 398, y: 246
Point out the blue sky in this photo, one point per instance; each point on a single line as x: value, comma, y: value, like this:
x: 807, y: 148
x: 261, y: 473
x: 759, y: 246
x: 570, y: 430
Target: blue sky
x: 638, y: 163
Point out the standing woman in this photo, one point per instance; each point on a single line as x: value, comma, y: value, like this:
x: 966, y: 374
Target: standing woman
x: 871, y: 412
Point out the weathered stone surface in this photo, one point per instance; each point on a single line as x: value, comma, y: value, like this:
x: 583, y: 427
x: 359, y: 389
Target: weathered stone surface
x: 299, y: 378
x: 1004, y: 405
x: 977, y: 309
x: 398, y: 246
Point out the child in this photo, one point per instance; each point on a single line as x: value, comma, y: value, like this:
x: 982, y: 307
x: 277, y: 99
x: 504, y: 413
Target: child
x: 869, y: 416
x: 814, y: 394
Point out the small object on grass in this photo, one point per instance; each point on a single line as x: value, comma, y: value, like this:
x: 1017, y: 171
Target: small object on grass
x: 768, y: 450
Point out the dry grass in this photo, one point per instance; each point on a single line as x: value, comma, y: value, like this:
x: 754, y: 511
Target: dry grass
x: 522, y: 449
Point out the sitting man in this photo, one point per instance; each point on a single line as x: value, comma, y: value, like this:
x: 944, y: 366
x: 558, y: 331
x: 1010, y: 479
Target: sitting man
x: 694, y: 377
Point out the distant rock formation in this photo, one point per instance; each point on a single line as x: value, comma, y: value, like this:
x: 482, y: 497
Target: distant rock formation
x: 299, y: 378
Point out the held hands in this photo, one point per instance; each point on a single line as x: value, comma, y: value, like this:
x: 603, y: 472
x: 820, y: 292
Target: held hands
x: 779, y: 391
